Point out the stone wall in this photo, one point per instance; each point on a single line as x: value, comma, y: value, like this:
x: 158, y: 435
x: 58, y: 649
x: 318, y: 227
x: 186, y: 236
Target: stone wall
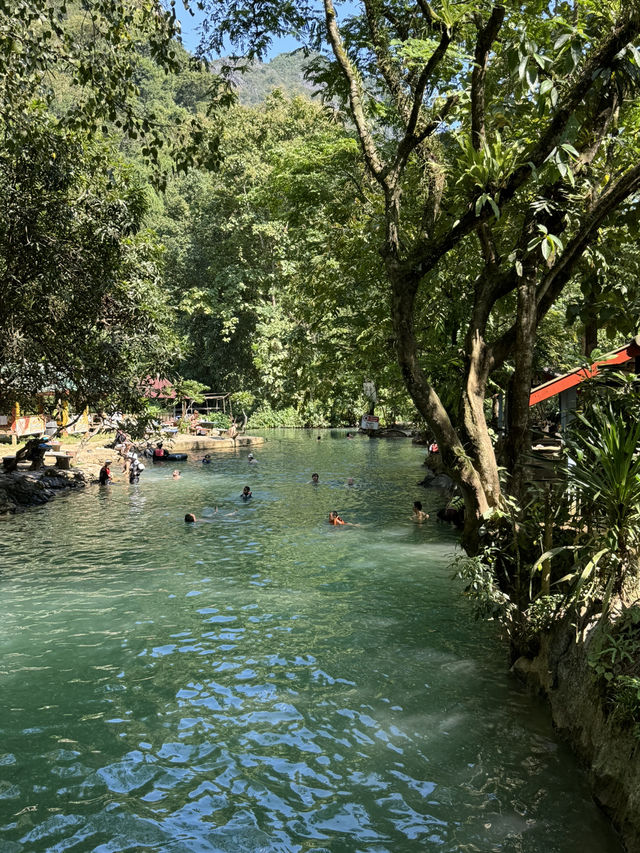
x: 561, y: 672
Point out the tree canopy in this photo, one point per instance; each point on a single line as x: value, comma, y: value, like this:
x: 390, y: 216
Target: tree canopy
x: 502, y: 140
x: 81, y: 307
x: 81, y: 303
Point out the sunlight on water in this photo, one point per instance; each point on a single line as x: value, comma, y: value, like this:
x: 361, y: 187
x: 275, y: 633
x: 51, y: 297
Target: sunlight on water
x: 260, y: 681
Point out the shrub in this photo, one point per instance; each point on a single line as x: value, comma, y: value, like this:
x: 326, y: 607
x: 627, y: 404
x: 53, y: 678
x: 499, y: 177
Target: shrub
x: 218, y: 420
x: 267, y: 418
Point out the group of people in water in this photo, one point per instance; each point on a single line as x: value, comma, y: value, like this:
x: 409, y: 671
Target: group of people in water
x: 133, y: 467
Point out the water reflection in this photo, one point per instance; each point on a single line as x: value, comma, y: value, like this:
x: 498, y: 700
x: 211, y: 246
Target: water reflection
x: 261, y: 682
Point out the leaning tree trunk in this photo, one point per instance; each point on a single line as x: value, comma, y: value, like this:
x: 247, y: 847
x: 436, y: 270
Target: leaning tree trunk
x: 454, y: 456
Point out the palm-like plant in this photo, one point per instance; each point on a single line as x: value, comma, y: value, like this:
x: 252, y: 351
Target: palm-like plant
x: 604, y: 474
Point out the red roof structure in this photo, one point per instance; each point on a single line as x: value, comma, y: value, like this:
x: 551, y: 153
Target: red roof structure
x: 159, y: 389
x: 569, y: 380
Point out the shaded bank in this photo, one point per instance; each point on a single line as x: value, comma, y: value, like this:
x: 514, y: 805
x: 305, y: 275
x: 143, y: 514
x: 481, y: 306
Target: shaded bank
x: 562, y: 673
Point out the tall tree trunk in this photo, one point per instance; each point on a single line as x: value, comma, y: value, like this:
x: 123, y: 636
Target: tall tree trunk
x: 590, y: 336
x: 454, y: 456
x: 517, y: 444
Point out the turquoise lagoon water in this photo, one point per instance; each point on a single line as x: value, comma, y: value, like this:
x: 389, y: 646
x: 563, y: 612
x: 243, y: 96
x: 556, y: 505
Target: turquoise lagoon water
x: 261, y: 681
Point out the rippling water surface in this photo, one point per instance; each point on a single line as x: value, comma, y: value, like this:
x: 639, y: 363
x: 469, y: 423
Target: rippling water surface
x: 261, y: 681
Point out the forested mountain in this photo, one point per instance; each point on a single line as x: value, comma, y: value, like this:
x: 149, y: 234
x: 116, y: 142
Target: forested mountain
x: 285, y: 72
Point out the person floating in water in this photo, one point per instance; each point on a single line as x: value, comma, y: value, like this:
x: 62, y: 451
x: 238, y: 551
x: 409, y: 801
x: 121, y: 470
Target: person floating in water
x: 246, y: 493
x: 251, y: 458
x: 349, y: 435
x: 350, y: 481
x: 319, y: 438
x: 207, y: 459
x: 160, y: 452
x: 314, y: 479
x: 104, y: 477
x: 175, y: 475
x: 418, y: 515
x: 190, y: 518
x: 336, y: 520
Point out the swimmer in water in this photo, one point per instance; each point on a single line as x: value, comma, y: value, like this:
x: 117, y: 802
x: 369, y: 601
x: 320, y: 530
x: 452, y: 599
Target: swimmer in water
x: 314, y: 479
x: 175, y: 475
x: 335, y: 520
x: 246, y: 493
x: 418, y: 515
x: 190, y: 518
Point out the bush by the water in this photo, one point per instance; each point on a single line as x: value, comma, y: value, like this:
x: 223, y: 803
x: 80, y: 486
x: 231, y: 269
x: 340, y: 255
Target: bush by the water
x: 267, y: 418
x: 217, y: 420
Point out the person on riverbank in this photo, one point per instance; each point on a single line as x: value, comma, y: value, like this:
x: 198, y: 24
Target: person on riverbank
x: 104, y: 477
x: 246, y: 494
x: 418, y: 515
x: 120, y: 440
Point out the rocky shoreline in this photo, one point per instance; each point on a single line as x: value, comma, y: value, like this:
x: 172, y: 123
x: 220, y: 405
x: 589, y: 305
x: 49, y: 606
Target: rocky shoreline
x: 561, y: 672
x: 23, y: 488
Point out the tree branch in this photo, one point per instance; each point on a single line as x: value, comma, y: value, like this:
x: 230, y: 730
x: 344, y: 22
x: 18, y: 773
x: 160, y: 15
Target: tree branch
x: 418, y: 95
x: 432, y: 19
x: 355, y: 94
x: 385, y: 61
x: 486, y: 36
x: 556, y: 278
x: 425, y: 259
x: 553, y: 283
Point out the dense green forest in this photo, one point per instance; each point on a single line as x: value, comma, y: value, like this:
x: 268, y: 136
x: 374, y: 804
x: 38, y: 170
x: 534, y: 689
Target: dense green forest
x: 256, y: 227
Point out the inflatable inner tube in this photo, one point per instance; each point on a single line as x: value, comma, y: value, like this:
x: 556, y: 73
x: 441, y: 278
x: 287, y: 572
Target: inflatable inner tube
x: 172, y: 457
